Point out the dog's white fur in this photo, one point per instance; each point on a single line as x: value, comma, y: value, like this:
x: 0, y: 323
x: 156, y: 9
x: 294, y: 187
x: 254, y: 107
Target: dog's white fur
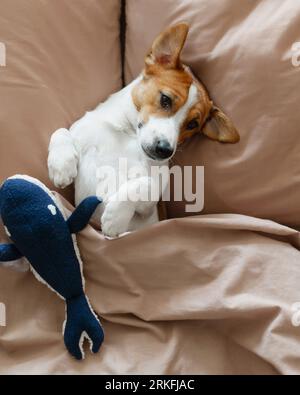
x: 101, y: 138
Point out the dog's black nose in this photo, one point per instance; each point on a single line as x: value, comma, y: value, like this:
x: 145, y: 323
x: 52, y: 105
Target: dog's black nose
x: 163, y: 149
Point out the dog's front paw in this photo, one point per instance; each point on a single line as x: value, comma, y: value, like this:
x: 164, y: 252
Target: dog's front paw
x: 62, y: 160
x: 62, y: 169
x: 116, y: 218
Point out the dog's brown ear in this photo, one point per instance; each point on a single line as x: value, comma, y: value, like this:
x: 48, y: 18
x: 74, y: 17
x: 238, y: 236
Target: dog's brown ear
x: 167, y: 47
x: 219, y: 127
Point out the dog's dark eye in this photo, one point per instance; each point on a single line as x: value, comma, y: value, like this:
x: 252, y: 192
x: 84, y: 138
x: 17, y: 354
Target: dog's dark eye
x: 165, y: 102
x: 192, y: 125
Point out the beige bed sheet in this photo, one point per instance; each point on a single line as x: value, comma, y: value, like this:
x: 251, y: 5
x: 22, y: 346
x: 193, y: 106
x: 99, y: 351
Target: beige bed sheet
x: 204, y: 295
x: 210, y: 294
x: 62, y: 59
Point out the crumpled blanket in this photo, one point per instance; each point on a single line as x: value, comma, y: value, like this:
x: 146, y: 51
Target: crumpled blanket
x: 213, y: 294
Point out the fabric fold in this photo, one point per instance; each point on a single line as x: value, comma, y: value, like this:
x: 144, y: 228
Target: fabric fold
x: 211, y: 294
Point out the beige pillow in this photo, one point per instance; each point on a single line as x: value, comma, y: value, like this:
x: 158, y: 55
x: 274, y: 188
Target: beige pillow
x: 243, y: 54
x: 62, y: 59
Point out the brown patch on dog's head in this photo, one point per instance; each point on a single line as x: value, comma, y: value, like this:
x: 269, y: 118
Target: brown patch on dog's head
x: 165, y: 89
x: 211, y: 121
x: 164, y: 75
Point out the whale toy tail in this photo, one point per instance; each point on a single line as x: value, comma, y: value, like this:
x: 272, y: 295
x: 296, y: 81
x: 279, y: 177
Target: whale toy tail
x: 81, y: 323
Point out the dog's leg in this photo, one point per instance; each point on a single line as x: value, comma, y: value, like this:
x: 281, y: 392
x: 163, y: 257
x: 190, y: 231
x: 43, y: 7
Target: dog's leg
x: 136, y: 196
x: 62, y: 159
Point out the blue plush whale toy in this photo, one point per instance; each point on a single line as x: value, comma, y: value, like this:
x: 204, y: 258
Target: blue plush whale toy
x: 40, y: 232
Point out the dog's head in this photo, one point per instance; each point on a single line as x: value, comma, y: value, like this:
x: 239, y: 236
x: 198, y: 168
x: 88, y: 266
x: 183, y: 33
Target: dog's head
x: 172, y: 104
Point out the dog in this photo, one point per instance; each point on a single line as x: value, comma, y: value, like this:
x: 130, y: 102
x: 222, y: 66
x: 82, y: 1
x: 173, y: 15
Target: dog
x: 143, y: 124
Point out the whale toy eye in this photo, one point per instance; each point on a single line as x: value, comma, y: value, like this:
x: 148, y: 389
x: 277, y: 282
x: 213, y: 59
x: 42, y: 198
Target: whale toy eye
x: 52, y: 209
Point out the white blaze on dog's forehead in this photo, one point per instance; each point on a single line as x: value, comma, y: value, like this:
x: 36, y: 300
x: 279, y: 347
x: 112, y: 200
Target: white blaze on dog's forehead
x: 52, y: 209
x: 192, y: 99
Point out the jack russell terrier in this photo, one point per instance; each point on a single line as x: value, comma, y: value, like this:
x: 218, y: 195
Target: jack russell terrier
x: 143, y: 124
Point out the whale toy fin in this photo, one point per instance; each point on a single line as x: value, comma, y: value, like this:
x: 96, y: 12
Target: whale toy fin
x: 82, y: 214
x: 9, y: 253
x: 81, y: 323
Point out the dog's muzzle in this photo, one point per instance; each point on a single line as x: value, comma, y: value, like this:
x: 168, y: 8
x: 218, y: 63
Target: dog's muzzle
x: 160, y: 150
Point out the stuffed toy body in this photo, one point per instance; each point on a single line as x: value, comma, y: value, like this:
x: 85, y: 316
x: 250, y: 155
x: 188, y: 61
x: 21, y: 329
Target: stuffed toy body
x: 39, y: 231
